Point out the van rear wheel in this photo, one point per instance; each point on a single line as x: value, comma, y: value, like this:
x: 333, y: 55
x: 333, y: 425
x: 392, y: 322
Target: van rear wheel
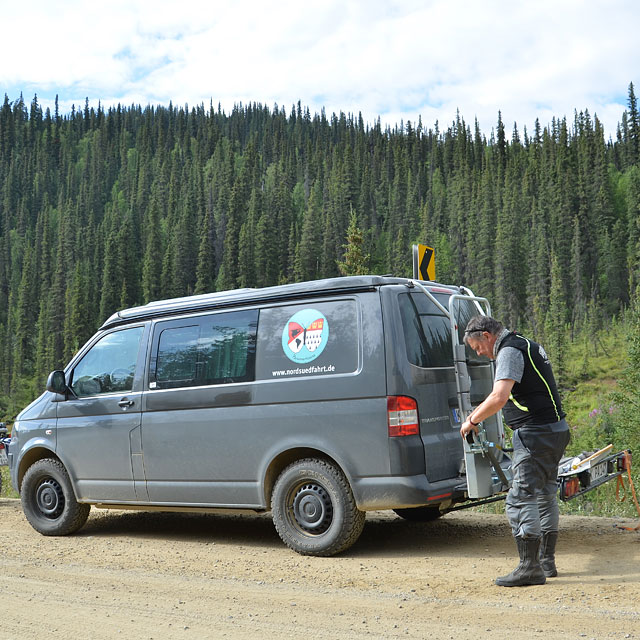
x: 314, y: 510
x: 420, y: 514
x: 48, y: 500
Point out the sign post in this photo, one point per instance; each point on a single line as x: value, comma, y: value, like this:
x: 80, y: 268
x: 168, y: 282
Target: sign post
x: 424, y: 264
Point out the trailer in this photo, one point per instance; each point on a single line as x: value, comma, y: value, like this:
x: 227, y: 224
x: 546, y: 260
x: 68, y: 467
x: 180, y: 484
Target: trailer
x: 577, y: 475
x: 588, y: 471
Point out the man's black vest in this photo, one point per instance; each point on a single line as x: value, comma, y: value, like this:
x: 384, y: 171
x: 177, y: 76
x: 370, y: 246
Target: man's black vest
x: 535, y: 399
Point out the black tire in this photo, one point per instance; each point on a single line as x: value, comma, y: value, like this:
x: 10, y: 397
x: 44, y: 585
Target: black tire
x: 48, y: 500
x: 420, y: 514
x: 314, y: 510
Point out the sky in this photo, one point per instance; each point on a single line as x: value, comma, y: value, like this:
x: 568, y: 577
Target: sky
x: 393, y: 60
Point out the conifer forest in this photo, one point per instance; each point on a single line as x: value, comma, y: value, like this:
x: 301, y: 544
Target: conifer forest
x: 107, y: 208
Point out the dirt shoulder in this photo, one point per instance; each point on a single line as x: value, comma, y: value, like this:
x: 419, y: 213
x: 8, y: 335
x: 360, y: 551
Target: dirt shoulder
x: 162, y: 575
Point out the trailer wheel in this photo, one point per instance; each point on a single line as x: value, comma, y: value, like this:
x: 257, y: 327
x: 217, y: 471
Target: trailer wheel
x: 420, y: 514
x: 48, y: 500
x: 314, y: 510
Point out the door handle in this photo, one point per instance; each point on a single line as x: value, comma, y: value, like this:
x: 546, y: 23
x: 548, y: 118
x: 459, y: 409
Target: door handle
x: 124, y: 403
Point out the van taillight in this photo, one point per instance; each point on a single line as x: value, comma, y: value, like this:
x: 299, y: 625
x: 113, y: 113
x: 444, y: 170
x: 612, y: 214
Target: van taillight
x: 402, y: 413
x: 624, y: 461
x: 569, y: 487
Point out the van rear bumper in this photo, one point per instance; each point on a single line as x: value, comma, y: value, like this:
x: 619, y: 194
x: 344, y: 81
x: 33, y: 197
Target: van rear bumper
x: 401, y: 492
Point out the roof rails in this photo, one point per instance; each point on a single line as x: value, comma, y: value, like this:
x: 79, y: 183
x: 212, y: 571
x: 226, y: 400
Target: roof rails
x: 247, y: 296
x: 197, y: 298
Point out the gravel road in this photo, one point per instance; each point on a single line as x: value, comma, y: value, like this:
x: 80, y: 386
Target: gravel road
x: 196, y: 576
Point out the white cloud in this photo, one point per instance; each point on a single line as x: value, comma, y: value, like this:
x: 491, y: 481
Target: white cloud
x: 393, y: 59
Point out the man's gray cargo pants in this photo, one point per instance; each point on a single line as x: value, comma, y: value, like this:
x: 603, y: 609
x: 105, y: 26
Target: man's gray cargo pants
x: 532, y: 505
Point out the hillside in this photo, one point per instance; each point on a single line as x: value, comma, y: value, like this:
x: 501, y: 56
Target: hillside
x: 103, y: 209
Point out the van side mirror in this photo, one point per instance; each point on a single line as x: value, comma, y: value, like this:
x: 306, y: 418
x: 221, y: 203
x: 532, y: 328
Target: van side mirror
x: 56, y: 382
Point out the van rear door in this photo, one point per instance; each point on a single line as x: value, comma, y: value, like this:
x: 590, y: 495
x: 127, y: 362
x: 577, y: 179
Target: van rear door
x: 423, y: 369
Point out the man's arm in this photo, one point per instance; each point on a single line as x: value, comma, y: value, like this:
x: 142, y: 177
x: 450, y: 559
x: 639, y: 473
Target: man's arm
x: 491, y: 405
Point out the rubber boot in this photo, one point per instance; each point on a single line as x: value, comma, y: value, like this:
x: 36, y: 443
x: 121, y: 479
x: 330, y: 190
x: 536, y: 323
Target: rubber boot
x: 529, y: 570
x: 548, y: 554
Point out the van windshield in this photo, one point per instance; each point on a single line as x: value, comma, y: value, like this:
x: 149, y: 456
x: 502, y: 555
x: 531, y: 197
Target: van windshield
x: 427, y: 330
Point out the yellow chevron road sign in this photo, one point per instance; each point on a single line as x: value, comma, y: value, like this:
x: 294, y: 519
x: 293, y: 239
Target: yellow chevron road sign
x: 424, y: 263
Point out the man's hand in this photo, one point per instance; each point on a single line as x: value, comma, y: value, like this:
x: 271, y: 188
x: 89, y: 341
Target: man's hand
x: 491, y: 405
x: 467, y: 427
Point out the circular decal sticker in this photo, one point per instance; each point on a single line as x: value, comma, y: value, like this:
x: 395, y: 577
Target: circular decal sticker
x: 305, y: 335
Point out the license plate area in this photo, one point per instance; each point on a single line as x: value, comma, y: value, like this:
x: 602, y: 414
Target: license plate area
x: 598, y: 471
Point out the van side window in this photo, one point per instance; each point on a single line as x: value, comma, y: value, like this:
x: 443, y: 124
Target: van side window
x: 177, y: 354
x: 465, y: 310
x: 427, y: 331
x: 228, y: 347
x: 109, y: 366
x: 213, y: 349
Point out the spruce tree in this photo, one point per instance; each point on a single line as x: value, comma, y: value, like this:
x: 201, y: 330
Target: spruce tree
x: 634, y: 128
x: 205, y: 267
x: 153, y: 252
x: 556, y: 323
x: 354, y: 261
x: 309, y: 248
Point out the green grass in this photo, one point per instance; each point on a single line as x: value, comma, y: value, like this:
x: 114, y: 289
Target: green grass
x: 593, y: 367
x: 592, y: 370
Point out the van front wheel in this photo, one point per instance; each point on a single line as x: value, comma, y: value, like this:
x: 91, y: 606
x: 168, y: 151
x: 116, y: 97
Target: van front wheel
x: 314, y: 510
x: 48, y: 500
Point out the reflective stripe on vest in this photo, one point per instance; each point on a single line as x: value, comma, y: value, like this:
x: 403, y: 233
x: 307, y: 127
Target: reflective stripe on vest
x: 555, y: 408
x: 520, y: 406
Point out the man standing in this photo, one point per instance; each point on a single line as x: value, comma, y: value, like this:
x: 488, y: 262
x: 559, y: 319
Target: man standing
x: 525, y: 389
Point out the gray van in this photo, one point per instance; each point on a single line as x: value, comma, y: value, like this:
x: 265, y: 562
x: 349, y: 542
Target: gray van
x: 318, y: 400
